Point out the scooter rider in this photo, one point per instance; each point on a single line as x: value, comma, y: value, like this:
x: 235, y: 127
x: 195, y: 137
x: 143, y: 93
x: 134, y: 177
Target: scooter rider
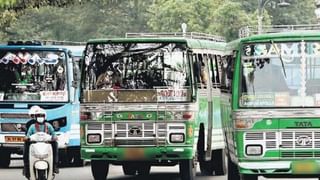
x: 39, y: 115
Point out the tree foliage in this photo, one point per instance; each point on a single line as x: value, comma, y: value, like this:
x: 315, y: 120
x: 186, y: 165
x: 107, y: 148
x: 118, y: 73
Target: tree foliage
x: 99, y: 19
x: 168, y: 15
x: 80, y: 20
x: 7, y: 3
x: 229, y: 18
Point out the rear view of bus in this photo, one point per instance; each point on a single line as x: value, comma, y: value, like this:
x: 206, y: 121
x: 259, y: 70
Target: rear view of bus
x: 274, y: 129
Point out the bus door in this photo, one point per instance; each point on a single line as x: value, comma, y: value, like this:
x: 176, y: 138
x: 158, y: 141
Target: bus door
x: 204, y: 117
x: 217, y: 133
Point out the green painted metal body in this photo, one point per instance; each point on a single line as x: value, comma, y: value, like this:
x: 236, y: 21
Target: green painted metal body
x: 160, y: 152
x: 156, y: 153
x: 202, y: 115
x: 273, y: 125
x: 151, y: 154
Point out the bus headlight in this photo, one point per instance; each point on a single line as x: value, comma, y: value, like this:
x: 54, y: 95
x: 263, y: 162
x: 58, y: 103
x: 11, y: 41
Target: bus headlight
x: 254, y: 150
x: 84, y: 116
x: 96, y: 115
x: 245, y: 123
x: 94, y: 138
x: 56, y: 125
x: 183, y: 115
x: 177, y: 137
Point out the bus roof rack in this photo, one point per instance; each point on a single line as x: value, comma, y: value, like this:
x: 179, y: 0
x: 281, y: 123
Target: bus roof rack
x: 251, y: 30
x: 44, y: 42
x: 191, y: 35
x: 54, y: 42
x: 28, y: 43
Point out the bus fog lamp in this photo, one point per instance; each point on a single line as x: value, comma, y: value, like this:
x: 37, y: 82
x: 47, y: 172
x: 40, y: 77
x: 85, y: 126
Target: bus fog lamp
x: 254, y: 150
x: 176, y: 137
x: 94, y: 138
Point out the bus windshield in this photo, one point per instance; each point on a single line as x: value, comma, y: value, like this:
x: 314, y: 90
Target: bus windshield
x: 136, y: 72
x: 33, y: 75
x: 282, y: 74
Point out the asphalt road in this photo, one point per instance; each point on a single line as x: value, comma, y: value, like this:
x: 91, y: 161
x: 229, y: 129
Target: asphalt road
x: 115, y: 173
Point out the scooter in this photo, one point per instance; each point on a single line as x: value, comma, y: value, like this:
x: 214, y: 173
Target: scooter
x: 41, y: 157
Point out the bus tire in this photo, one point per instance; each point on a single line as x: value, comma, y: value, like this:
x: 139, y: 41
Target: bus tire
x: 206, y: 167
x: 187, y: 169
x: 248, y: 177
x: 144, y: 169
x: 129, y: 169
x: 77, y: 161
x: 99, y: 169
x: 219, y: 162
x: 65, y: 159
x: 5, y: 159
x: 233, y: 171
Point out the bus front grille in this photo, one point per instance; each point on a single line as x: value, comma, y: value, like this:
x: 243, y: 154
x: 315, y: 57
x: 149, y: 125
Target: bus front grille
x: 299, y: 154
x: 12, y: 127
x: 300, y: 140
x: 135, y: 133
x: 266, y: 139
x: 290, y: 144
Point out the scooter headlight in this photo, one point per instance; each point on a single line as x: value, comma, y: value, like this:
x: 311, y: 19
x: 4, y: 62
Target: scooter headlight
x: 39, y: 155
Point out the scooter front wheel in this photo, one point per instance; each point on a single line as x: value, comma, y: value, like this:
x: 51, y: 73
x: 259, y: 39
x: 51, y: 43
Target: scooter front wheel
x: 42, y: 175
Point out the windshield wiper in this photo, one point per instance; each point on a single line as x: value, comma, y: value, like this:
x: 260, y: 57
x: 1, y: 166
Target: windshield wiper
x: 280, y: 56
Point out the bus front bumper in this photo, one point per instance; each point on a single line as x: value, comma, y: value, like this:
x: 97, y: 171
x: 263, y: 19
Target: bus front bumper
x: 294, y: 167
x: 137, y: 154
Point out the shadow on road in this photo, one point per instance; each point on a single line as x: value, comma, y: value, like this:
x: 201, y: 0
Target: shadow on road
x: 153, y: 176
x: 158, y: 176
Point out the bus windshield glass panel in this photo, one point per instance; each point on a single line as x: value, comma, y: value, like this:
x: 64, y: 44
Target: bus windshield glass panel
x: 280, y: 74
x: 33, y: 76
x: 136, y: 72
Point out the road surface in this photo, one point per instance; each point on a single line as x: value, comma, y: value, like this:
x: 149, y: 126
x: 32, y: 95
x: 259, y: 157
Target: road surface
x: 115, y: 173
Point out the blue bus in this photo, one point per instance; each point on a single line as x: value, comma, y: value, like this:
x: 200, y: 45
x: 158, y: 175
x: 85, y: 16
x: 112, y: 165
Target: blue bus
x: 43, y: 75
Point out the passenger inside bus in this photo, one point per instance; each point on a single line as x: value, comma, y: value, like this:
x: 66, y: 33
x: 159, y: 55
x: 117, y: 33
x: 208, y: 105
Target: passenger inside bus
x: 200, y: 71
x: 203, y: 74
x: 60, y: 78
x: 104, y: 80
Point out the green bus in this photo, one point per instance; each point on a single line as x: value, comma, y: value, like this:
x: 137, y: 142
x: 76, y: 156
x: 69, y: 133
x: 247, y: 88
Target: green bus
x: 270, y: 104
x: 152, y: 99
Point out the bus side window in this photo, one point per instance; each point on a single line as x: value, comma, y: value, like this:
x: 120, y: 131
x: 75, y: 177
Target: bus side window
x: 200, y: 70
x: 227, y: 64
x: 196, y: 68
x: 213, y: 62
x: 204, y: 76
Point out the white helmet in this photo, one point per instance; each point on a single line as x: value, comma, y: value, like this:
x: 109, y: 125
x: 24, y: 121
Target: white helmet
x: 33, y: 110
x: 40, y: 115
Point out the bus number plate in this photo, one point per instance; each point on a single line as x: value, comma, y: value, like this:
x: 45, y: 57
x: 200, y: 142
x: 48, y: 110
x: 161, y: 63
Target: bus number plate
x: 134, y: 153
x: 305, y: 167
x: 14, y: 139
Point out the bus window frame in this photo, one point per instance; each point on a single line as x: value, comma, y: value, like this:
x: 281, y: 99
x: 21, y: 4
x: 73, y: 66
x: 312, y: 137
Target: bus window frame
x: 227, y: 72
x: 215, y: 70
x: 189, y: 57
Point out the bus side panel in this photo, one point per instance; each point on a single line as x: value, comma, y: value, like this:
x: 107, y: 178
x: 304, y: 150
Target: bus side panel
x: 217, y: 132
x: 227, y: 123
x: 202, y: 115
